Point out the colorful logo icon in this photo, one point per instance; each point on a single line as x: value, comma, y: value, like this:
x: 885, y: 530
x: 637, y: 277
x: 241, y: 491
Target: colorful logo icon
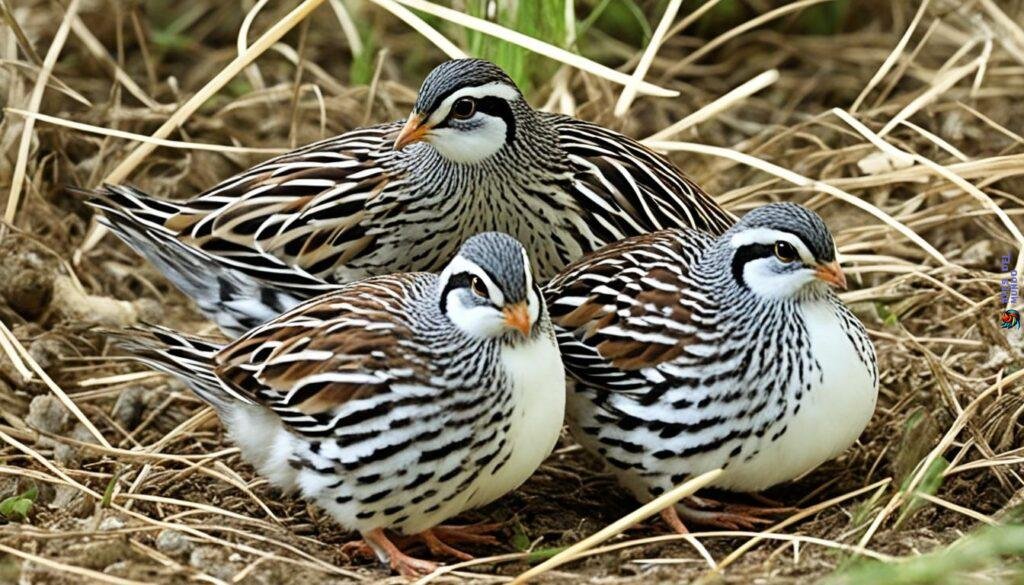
x: 1010, y: 319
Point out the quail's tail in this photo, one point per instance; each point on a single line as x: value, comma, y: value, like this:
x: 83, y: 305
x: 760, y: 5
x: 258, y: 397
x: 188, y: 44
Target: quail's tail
x: 225, y: 293
x: 128, y: 206
x: 191, y: 359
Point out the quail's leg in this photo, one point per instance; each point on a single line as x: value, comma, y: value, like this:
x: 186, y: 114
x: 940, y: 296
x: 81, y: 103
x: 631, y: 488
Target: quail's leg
x: 358, y: 548
x: 708, y: 512
x: 400, y: 562
x: 671, y: 517
x: 470, y: 533
x: 439, y: 548
x: 771, y: 508
x: 439, y: 539
x: 768, y: 502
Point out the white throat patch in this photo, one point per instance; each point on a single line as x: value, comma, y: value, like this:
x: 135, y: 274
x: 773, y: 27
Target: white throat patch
x: 470, y: 146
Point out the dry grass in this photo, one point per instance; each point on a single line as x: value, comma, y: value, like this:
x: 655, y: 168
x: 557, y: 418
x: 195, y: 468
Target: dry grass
x: 903, y: 131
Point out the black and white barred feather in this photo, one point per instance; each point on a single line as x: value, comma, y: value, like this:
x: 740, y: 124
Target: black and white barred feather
x: 372, y: 402
x: 352, y: 206
x: 677, y: 368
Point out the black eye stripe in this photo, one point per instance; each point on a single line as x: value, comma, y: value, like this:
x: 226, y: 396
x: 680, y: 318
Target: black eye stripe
x: 491, y: 106
x: 494, y: 106
x: 745, y: 254
x: 460, y: 280
x: 465, y: 280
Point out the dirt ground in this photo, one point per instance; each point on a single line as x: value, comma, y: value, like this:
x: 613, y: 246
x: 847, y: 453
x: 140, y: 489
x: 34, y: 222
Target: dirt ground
x: 922, y: 232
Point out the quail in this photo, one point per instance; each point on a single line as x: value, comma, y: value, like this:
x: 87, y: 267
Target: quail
x: 394, y: 402
x: 473, y: 156
x: 688, y: 352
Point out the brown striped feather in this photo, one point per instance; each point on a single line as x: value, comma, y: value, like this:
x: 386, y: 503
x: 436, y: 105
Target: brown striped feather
x: 335, y: 326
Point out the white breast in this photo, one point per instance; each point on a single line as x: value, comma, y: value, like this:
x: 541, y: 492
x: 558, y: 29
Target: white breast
x: 832, y: 414
x: 539, y: 398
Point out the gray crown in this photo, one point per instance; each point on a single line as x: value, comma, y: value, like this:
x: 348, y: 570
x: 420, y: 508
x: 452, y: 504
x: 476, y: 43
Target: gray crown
x: 451, y: 76
x: 501, y: 257
x: 797, y: 220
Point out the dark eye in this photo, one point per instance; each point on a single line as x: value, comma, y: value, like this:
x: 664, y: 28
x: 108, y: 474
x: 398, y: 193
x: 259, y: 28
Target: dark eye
x: 785, y: 251
x: 479, y: 288
x: 463, y: 108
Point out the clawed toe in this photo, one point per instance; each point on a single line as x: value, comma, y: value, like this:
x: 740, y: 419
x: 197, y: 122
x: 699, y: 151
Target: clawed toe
x: 438, y: 541
x: 439, y: 548
x: 671, y: 517
x: 708, y: 512
x: 775, y: 509
x: 411, y: 567
x: 401, y: 563
x: 358, y: 549
x: 727, y: 520
x: 471, y: 533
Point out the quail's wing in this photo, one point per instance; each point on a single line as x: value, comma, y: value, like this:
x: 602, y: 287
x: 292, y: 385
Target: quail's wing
x: 353, y: 344
x: 634, y: 188
x: 302, y: 209
x: 620, y: 313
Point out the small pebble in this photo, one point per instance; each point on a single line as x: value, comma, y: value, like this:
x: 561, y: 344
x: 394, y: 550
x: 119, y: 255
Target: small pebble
x: 118, y: 568
x: 65, y: 455
x: 211, y: 560
x: 204, y: 556
x: 83, y: 506
x: 80, y: 433
x: 111, y: 523
x: 47, y: 351
x: 73, y: 501
x: 172, y: 542
x: 63, y: 495
x: 47, y: 414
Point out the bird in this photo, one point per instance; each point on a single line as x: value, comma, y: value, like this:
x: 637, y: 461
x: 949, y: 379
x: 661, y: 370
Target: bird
x: 688, y: 353
x: 473, y: 156
x: 393, y: 402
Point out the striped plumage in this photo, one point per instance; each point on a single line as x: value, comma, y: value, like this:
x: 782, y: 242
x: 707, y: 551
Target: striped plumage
x: 395, y: 402
x: 473, y: 157
x: 687, y: 353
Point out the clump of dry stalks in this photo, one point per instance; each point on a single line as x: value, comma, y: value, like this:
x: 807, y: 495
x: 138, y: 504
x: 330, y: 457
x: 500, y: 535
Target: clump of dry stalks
x: 904, y: 133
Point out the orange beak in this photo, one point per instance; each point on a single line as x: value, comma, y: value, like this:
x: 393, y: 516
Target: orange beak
x: 518, y: 317
x: 413, y: 131
x: 832, y: 274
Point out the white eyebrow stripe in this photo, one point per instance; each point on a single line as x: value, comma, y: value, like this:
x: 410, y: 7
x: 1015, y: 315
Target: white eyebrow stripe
x: 492, y: 89
x: 460, y: 264
x: 768, y: 236
x: 529, y: 272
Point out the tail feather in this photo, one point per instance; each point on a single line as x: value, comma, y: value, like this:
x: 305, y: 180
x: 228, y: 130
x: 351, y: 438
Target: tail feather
x: 191, y: 359
x: 139, y: 220
x: 122, y: 202
x: 235, y: 300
